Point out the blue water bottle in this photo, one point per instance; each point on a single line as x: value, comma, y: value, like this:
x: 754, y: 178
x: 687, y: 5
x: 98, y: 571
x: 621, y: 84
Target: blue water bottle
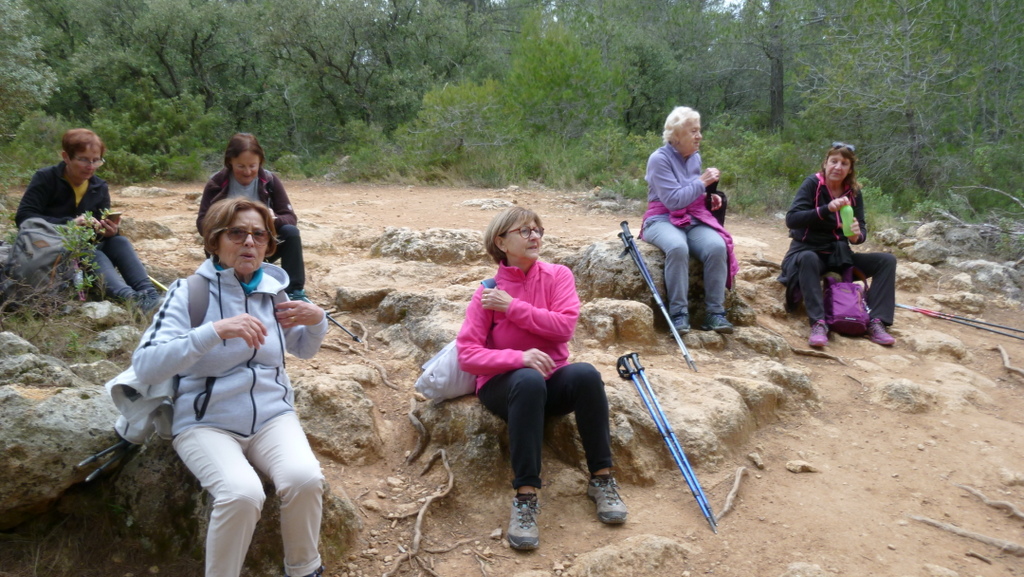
x: 846, y: 214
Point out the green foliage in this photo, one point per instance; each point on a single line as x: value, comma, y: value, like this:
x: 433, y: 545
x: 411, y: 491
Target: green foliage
x: 25, y: 81
x: 148, y: 137
x: 80, y: 242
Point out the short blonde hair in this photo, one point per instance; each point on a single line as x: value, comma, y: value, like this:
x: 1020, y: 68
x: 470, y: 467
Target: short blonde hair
x: 503, y: 222
x: 678, y: 118
x: 221, y: 215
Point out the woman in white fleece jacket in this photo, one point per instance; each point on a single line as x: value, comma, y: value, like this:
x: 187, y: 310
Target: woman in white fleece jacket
x: 234, y: 407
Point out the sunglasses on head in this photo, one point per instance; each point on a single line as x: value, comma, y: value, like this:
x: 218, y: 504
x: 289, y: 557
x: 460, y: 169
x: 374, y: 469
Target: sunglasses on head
x: 838, y: 145
x: 238, y: 235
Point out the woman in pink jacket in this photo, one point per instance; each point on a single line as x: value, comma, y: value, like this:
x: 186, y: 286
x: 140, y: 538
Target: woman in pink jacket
x: 515, y: 339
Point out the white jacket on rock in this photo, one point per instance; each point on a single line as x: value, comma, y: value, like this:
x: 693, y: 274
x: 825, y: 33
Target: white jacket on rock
x: 224, y: 383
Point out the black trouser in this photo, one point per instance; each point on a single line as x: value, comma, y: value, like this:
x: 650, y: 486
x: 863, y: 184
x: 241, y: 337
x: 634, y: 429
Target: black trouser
x: 289, y: 250
x: 522, y: 398
x: 120, y: 269
x: 880, y: 267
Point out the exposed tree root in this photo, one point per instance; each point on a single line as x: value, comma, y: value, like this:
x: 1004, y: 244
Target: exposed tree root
x: 1010, y: 507
x: 979, y: 557
x: 819, y: 354
x: 348, y: 348
x: 1006, y: 361
x: 418, y: 527
x: 732, y: 494
x: 424, y: 437
x: 1005, y: 546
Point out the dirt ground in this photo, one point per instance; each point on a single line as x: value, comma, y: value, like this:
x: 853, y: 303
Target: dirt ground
x: 875, y: 466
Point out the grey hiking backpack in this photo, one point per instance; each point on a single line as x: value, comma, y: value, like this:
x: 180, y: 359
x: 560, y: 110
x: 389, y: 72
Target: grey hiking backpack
x: 37, y: 262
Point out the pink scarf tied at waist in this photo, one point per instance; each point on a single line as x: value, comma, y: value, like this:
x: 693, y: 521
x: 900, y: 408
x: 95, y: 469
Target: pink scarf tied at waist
x: 685, y: 216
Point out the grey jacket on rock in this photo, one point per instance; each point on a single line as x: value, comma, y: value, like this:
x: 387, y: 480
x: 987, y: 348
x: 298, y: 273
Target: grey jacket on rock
x: 224, y: 383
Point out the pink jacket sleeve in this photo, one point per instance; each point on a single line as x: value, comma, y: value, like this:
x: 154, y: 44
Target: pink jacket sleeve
x: 556, y: 321
x: 474, y: 356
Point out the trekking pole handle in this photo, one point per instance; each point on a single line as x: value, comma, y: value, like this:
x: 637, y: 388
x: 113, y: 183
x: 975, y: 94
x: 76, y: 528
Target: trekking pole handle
x: 625, y: 371
x: 625, y: 230
x: 636, y: 361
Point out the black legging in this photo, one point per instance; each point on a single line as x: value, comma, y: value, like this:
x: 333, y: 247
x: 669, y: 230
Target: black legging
x: 522, y: 398
x: 289, y: 250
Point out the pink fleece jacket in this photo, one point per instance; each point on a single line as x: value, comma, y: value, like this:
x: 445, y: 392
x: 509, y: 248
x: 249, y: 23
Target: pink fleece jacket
x: 542, y: 316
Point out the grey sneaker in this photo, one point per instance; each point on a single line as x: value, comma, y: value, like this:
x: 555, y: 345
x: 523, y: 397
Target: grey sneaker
x: 604, y: 492
x: 718, y: 323
x: 318, y: 573
x: 681, y: 322
x: 522, y: 527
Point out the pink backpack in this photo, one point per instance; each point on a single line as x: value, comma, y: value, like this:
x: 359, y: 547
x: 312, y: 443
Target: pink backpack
x: 846, y: 310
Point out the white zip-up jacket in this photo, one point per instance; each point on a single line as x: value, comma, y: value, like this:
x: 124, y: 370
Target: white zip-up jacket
x: 224, y: 383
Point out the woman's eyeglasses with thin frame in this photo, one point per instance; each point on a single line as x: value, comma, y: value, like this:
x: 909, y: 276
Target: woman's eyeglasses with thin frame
x: 526, y: 231
x: 837, y: 145
x: 89, y: 162
x: 238, y: 235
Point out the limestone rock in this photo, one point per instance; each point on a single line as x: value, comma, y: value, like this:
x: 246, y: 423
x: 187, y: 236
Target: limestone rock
x: 12, y: 345
x: 44, y: 434
x: 637, y: 555
x: 337, y: 414
x: 437, y: 245
x: 933, y: 343
x: 801, y: 569
x: 97, y: 373
x: 616, y: 321
x: 927, y: 251
x: 104, y: 314
x: 145, y: 192
x: 139, y: 230
x: 905, y: 396
x: 353, y: 299
x: 118, y: 340
x: 963, y: 301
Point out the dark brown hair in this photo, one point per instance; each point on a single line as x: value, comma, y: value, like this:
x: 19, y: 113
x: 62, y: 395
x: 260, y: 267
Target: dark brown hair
x: 222, y: 214
x: 843, y: 150
x: 78, y: 139
x: 242, y: 142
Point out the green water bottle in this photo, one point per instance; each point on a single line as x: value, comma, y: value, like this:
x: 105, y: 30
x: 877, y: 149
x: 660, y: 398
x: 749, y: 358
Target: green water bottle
x: 846, y: 214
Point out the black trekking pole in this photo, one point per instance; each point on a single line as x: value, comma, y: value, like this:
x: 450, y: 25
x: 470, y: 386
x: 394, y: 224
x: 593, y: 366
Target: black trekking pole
x: 974, y: 323
x: 119, y: 450
x: 638, y: 259
x: 336, y: 323
x: 629, y: 368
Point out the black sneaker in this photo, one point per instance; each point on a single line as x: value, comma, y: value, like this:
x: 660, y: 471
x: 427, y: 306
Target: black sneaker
x: 522, y: 526
x: 318, y: 573
x: 604, y: 492
x: 718, y: 323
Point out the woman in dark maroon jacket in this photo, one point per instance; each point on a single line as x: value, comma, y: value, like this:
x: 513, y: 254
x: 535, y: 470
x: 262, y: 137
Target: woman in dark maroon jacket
x: 243, y: 175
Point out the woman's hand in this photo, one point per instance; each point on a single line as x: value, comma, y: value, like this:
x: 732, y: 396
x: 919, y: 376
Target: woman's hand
x: 716, y: 201
x: 838, y: 203
x: 710, y: 176
x: 243, y: 326
x: 539, y: 360
x: 107, y: 228
x: 495, y: 300
x: 298, y: 313
x: 855, y: 229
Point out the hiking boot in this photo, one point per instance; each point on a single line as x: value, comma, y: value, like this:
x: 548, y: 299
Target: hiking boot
x: 318, y: 573
x: 819, y: 334
x: 298, y: 295
x: 681, y: 322
x: 878, y: 334
x: 718, y: 323
x: 604, y: 492
x: 522, y: 527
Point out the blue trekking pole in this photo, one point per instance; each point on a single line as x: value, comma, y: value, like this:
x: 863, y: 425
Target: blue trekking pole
x: 629, y: 368
x: 638, y: 259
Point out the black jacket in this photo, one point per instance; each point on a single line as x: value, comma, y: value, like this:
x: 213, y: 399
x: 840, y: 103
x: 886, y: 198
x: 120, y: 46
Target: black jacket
x: 50, y: 197
x: 269, y: 189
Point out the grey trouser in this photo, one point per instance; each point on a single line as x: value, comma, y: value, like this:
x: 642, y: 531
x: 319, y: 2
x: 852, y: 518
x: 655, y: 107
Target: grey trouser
x: 704, y: 243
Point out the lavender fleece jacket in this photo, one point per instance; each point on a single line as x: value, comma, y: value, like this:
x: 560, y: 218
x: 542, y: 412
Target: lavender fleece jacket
x: 542, y: 316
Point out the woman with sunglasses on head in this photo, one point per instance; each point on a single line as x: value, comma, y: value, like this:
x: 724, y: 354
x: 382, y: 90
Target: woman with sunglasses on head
x: 681, y: 220
x: 234, y: 405
x: 65, y: 192
x: 516, y: 340
x: 819, y: 245
x: 243, y: 175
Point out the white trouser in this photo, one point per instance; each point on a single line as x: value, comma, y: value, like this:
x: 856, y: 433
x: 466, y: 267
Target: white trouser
x: 224, y: 463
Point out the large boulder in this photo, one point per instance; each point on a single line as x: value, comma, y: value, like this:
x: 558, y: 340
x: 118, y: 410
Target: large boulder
x: 436, y: 245
x: 45, y: 431
x: 338, y: 414
x: 637, y: 555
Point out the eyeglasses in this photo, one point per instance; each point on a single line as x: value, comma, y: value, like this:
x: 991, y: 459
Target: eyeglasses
x: 88, y: 162
x: 838, y: 145
x: 526, y: 232
x: 239, y: 235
